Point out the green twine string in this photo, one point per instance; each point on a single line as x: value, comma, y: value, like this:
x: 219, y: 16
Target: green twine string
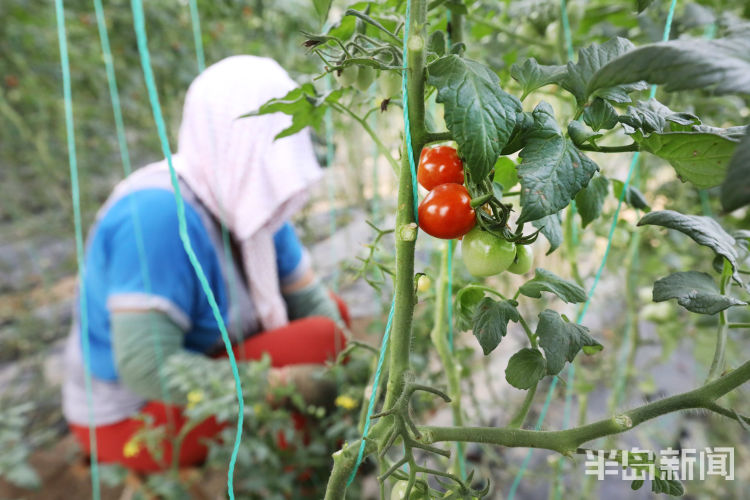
x: 566, y: 29
x: 410, y: 154
x: 75, y: 194
x: 127, y: 170
x: 140, y: 29
x: 196, y: 22
x: 584, y: 309
x: 374, y: 393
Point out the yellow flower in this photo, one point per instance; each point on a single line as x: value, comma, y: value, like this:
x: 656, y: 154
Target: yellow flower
x: 194, y: 397
x: 346, y: 402
x: 131, y: 448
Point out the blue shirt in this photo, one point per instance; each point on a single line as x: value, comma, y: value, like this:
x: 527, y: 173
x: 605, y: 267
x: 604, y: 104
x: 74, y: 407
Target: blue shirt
x: 156, y: 267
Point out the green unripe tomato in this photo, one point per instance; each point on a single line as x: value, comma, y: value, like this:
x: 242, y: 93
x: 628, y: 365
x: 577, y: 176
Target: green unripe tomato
x: 365, y: 77
x: 347, y: 77
x: 484, y: 254
x: 389, y: 84
x: 522, y: 262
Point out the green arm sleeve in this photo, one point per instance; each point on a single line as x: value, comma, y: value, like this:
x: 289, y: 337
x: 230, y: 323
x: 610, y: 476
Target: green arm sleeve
x: 141, y: 341
x: 313, y: 300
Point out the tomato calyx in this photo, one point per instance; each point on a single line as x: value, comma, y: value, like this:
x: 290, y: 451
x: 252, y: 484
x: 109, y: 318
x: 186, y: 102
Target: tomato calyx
x: 495, y: 215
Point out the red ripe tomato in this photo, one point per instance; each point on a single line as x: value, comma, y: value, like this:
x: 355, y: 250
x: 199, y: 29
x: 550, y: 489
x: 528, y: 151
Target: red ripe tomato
x: 439, y: 165
x: 446, y: 212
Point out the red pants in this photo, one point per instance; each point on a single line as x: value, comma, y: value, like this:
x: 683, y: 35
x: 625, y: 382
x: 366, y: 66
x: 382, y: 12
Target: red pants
x: 308, y: 340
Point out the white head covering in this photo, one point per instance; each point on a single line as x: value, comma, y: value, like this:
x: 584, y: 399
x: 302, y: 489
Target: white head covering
x: 246, y: 179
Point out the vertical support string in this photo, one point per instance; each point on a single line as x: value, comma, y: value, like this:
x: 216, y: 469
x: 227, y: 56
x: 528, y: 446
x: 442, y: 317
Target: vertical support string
x: 140, y: 29
x: 114, y: 95
x: 76, y: 198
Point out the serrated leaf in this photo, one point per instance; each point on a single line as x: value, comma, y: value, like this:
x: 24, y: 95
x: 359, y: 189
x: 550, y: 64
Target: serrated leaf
x: 699, y: 154
x: 524, y: 126
x: 551, y: 227
x: 505, y: 173
x: 525, y: 368
x: 633, y: 196
x: 491, y: 322
x: 552, y: 169
x: 721, y: 65
x: 703, y: 230
x: 546, y: 281
x: 466, y: 302
x: 562, y: 341
x: 671, y: 487
x: 532, y: 75
x: 699, y: 158
x: 306, y: 107
x: 590, y: 60
x: 695, y: 291
x: 600, y: 115
x: 735, y: 190
x: 652, y: 116
x: 589, y: 200
x: 478, y: 113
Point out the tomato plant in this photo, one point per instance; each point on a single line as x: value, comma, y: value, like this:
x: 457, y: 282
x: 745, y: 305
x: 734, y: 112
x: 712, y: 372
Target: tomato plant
x: 446, y: 212
x: 480, y: 74
x: 484, y: 254
x: 439, y: 165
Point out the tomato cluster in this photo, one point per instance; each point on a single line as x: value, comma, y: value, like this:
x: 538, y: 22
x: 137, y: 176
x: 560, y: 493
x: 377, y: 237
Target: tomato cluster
x: 446, y: 213
x: 485, y: 254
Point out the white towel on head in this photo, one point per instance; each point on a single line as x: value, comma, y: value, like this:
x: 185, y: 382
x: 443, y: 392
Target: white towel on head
x: 245, y: 178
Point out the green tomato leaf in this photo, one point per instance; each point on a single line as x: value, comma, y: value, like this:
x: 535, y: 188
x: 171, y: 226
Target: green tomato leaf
x: 505, y: 173
x: 633, y: 196
x: 697, y: 292
x: 590, y: 60
x: 652, y: 116
x: 552, y: 169
x: 437, y: 43
x: 698, y: 153
x: 590, y: 199
x: 306, y: 107
x: 546, y: 281
x: 478, y: 113
x: 466, y: 301
x: 532, y: 75
x: 600, y: 115
x: 735, y: 191
x: 672, y: 487
x: 703, y: 230
x: 551, y: 227
x: 525, y: 368
x: 524, y: 126
x: 721, y: 65
x: 562, y: 340
x: 491, y: 322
